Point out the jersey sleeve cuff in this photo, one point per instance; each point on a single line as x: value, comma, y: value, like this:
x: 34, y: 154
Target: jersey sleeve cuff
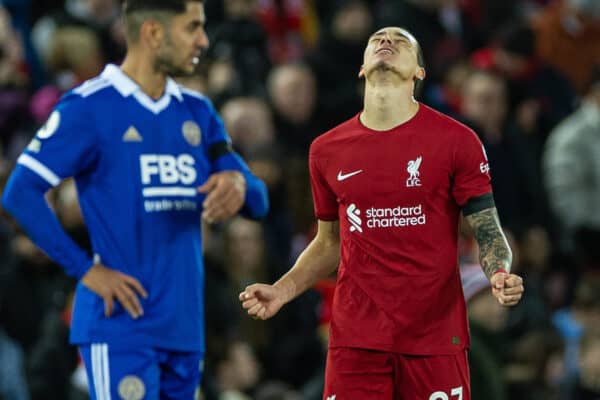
x: 327, y: 217
x: 478, y: 203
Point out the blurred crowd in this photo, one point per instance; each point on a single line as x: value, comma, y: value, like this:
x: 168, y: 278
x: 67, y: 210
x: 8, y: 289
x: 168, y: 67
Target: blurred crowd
x: 525, y: 74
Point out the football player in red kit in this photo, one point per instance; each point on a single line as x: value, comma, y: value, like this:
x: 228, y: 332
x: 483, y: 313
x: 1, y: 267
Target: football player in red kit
x: 389, y: 186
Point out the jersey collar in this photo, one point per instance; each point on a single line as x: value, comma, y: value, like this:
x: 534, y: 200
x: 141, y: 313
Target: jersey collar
x: 126, y: 86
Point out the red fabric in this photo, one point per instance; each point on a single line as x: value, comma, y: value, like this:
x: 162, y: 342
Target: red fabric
x: 483, y: 59
x: 325, y: 288
x: 283, y: 23
x: 372, y: 375
x: 398, y: 284
x: 66, y: 315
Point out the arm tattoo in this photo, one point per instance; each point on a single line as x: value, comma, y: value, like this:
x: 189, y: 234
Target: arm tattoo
x: 494, y: 252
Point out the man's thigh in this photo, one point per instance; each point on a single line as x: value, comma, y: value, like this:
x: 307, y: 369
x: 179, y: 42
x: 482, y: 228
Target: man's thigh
x: 136, y: 374
x: 359, y: 374
x: 433, y: 377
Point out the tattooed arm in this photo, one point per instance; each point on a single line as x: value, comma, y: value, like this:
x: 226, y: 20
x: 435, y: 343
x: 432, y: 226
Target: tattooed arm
x: 495, y: 256
x: 494, y: 252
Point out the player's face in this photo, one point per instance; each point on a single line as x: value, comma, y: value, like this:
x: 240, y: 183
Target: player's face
x: 393, y: 50
x: 183, y: 42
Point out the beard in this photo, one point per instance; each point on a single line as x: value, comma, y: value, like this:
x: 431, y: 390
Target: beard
x: 164, y: 61
x: 385, y: 67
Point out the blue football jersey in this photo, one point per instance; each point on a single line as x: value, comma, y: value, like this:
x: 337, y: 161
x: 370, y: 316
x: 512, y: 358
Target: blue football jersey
x: 137, y: 163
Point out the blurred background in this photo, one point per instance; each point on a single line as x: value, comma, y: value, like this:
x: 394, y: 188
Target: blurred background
x: 523, y: 73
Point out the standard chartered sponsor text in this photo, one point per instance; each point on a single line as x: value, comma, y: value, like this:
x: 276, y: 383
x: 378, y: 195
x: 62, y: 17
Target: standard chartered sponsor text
x: 395, y: 217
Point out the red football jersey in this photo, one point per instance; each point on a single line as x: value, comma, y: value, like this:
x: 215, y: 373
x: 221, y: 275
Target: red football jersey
x: 398, y: 196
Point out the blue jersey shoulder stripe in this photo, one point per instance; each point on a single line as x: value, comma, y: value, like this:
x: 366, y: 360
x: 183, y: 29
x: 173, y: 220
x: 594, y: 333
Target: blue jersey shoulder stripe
x: 92, y: 86
x: 192, y: 93
x: 40, y: 169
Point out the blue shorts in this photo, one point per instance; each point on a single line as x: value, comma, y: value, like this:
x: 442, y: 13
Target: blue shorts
x: 145, y: 373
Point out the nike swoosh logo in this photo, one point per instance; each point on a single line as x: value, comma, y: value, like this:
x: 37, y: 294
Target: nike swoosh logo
x: 342, y: 177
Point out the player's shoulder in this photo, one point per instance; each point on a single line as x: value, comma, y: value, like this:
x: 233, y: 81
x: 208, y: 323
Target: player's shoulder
x: 83, y: 99
x: 452, y: 128
x: 91, y: 87
x: 93, y: 94
x: 341, y: 132
x: 196, y: 98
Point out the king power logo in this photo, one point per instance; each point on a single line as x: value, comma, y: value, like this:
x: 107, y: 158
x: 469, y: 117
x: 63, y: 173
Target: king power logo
x: 377, y: 218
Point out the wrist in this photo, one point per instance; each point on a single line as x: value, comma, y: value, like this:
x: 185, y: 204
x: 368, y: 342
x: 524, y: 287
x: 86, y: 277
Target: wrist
x: 287, y: 287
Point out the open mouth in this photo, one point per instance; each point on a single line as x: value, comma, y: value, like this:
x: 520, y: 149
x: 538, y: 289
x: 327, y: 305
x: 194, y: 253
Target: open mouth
x: 384, y: 50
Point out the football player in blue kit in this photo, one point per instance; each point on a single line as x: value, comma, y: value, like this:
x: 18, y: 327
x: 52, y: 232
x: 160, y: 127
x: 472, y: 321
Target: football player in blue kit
x: 148, y: 157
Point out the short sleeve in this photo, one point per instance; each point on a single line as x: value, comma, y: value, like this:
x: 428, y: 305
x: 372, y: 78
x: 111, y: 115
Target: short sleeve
x: 64, y: 146
x: 471, y: 176
x: 324, y: 199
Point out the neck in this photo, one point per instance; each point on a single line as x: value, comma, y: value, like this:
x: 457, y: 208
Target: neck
x: 141, y: 71
x: 388, y: 104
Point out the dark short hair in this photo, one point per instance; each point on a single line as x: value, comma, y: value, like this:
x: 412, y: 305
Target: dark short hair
x: 176, y: 6
x: 135, y: 12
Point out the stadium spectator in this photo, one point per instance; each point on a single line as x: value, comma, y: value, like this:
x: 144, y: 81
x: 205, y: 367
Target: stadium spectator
x: 540, y: 96
x: 74, y: 56
x: 13, y: 82
x: 570, y: 165
x: 100, y: 16
x: 293, y: 93
x: 576, y: 324
x: 289, y: 25
x: 345, y: 27
x: 13, y: 385
x: 240, y: 42
x: 249, y: 122
x: 485, y: 107
x: 567, y: 36
x: 588, y: 386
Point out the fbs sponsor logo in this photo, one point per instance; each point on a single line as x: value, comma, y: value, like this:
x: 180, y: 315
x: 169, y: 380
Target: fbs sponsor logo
x: 165, y: 176
x: 168, y: 168
x: 377, y: 218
